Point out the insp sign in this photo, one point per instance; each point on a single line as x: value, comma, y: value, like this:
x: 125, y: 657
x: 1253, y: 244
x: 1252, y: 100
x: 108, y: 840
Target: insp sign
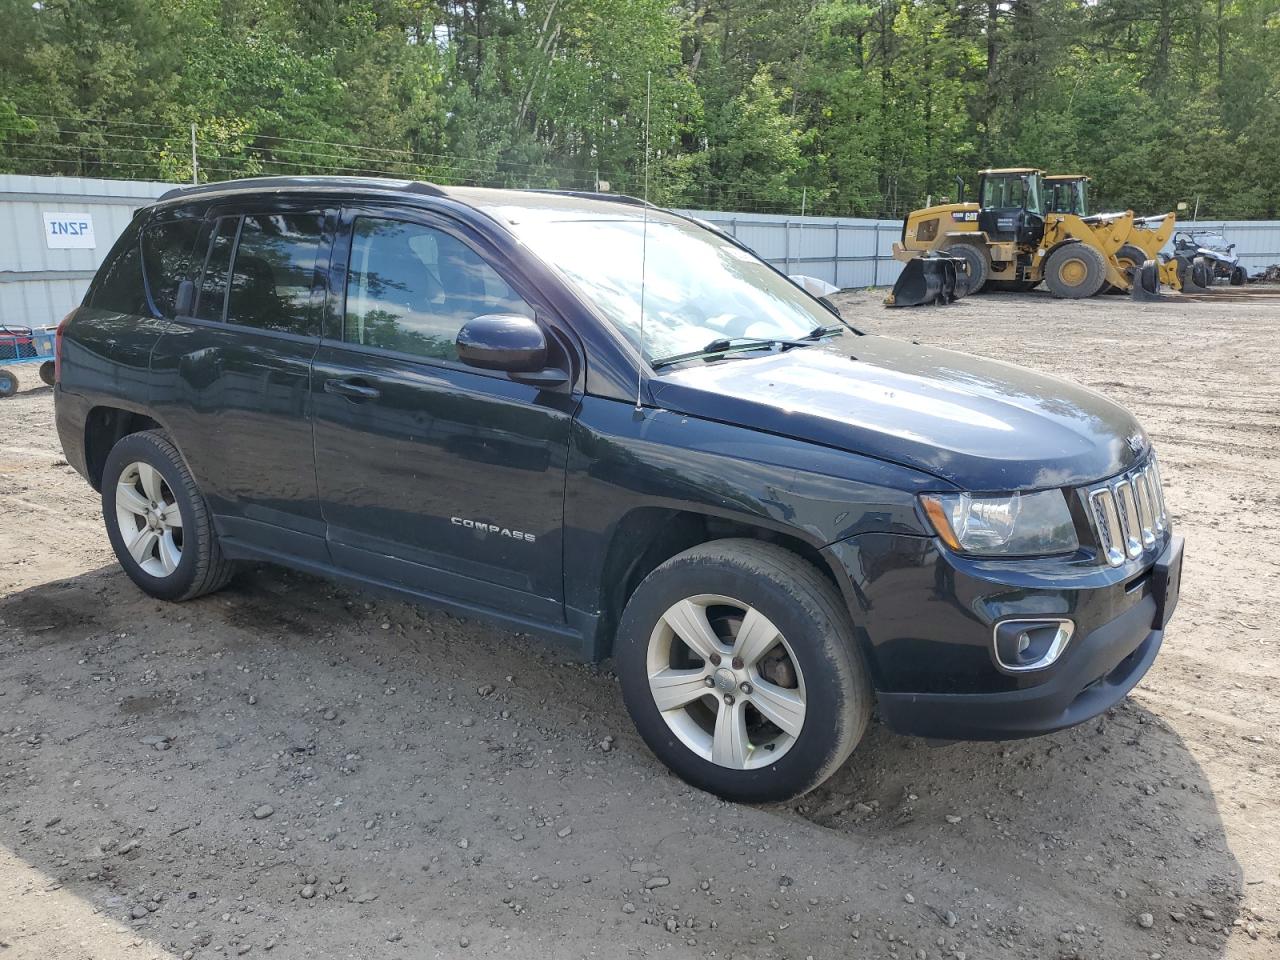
x: 69, y: 231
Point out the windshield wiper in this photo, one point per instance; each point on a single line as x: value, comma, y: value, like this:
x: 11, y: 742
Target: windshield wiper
x: 827, y: 330
x: 726, y: 345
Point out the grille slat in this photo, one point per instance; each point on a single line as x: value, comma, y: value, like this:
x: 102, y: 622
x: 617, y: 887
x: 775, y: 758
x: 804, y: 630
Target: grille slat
x: 1159, y: 487
x: 1146, y: 512
x: 1129, y: 513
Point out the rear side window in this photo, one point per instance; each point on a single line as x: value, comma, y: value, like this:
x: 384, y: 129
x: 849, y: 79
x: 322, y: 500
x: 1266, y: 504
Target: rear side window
x: 274, y: 272
x: 213, y: 286
x: 411, y: 289
x: 166, y: 258
x: 118, y: 285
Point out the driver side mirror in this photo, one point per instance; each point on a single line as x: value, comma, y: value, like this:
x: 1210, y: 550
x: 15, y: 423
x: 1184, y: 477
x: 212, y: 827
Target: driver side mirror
x: 511, y: 343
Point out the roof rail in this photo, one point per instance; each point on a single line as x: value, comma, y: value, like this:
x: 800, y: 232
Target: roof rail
x: 294, y: 183
x: 596, y: 195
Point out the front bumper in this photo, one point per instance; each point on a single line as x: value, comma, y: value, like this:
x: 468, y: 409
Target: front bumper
x: 1098, y: 674
x: 927, y: 619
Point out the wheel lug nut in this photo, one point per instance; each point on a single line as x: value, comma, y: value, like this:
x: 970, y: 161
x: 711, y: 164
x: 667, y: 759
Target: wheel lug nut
x: 737, y: 663
x: 746, y: 688
x: 728, y: 700
x: 710, y: 682
x: 715, y: 659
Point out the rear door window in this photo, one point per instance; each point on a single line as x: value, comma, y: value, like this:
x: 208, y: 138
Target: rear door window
x: 166, y: 258
x: 274, y: 271
x: 211, y: 304
x: 411, y: 288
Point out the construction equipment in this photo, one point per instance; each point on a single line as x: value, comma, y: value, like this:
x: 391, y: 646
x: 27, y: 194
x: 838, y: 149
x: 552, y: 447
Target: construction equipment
x: 1010, y: 239
x: 1134, y: 239
x: 933, y: 278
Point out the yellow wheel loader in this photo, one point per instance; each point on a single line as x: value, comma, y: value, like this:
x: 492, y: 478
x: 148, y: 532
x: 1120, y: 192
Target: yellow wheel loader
x: 1011, y: 238
x: 1140, y: 239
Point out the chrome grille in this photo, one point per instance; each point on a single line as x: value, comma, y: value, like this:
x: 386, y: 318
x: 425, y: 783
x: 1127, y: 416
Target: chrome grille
x: 1129, y: 513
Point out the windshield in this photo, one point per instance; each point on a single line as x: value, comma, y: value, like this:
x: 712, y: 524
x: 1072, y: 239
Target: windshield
x: 1067, y: 196
x: 1011, y: 191
x: 699, y: 287
x: 1214, y: 241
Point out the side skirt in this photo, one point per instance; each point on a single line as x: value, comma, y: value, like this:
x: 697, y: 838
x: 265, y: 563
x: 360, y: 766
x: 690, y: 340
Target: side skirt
x: 583, y: 641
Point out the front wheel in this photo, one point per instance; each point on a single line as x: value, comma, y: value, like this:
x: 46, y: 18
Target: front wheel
x: 977, y: 264
x: 157, y: 520
x: 8, y: 384
x: 1075, y: 271
x: 1238, y: 276
x: 740, y: 669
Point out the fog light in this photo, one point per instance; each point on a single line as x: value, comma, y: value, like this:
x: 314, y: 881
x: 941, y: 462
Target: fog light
x: 1022, y: 645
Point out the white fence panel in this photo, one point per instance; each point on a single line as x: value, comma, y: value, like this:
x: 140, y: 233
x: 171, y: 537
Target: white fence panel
x: 40, y: 283
x: 845, y: 251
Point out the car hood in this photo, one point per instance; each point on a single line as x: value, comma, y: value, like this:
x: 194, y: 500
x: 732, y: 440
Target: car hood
x: 981, y: 424
x: 1223, y: 256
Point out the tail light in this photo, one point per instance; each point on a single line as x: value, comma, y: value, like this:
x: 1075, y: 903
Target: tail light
x: 57, y: 347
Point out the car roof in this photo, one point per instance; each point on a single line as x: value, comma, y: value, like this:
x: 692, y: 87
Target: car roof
x: 510, y: 206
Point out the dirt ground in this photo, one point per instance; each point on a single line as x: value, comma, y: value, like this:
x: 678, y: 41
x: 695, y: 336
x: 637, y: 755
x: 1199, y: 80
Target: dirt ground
x: 293, y: 767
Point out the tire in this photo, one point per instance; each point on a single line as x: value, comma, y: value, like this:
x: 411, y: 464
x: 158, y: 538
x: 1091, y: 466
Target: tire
x: 711, y: 590
x: 1075, y: 271
x: 8, y: 384
x: 1130, y: 259
x: 149, y: 464
x: 46, y: 373
x: 1148, y: 278
x: 1238, y: 276
x: 976, y: 259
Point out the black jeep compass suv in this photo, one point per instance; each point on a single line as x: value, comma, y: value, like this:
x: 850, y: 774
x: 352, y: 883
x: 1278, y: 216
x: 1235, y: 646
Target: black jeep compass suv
x: 608, y: 423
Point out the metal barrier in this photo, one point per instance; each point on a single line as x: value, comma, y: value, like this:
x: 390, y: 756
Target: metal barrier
x: 54, y: 231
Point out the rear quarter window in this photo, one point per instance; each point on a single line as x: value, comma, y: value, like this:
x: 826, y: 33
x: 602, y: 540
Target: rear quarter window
x: 118, y: 285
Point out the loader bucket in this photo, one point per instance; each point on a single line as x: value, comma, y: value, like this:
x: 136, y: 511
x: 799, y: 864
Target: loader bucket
x: 1193, y: 274
x: 1146, y: 281
x: 933, y: 279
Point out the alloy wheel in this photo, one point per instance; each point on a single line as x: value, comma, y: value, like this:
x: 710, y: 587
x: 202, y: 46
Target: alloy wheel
x: 149, y: 519
x: 726, y: 681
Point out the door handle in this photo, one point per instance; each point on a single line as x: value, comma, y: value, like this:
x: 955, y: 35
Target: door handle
x: 352, y: 389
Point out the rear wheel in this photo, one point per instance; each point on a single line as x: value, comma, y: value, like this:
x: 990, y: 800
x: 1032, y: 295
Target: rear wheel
x: 1075, y: 271
x: 1238, y: 276
x: 8, y: 384
x: 158, y: 522
x: 47, y: 372
x: 739, y: 667
x: 977, y: 262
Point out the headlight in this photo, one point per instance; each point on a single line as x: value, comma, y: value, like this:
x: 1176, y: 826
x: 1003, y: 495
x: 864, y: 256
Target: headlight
x: 1019, y: 524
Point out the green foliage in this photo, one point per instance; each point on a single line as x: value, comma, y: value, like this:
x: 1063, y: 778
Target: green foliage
x: 849, y: 106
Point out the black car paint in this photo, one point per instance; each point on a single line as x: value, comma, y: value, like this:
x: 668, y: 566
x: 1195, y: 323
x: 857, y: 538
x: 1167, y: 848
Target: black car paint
x: 824, y: 452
